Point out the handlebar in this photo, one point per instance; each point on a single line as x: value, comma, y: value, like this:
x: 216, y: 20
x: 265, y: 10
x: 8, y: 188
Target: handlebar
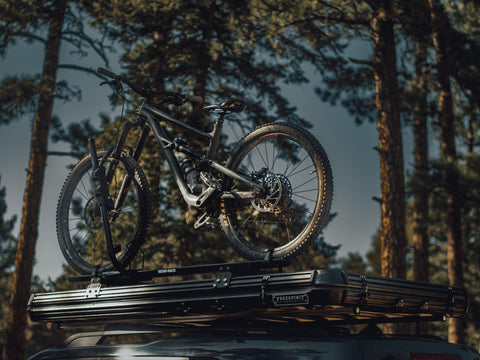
x: 107, y: 73
x: 146, y: 92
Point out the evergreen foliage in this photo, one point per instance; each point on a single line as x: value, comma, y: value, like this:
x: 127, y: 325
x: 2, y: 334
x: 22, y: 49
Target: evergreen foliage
x: 246, y: 49
x: 7, y: 261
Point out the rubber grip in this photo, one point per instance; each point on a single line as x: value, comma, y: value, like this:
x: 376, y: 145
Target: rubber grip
x: 195, y: 99
x: 107, y: 73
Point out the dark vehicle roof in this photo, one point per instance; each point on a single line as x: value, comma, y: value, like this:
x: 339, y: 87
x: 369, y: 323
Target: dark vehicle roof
x: 252, y: 340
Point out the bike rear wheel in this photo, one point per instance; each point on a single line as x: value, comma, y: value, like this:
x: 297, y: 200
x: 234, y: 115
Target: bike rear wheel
x: 295, y: 170
x: 80, y: 230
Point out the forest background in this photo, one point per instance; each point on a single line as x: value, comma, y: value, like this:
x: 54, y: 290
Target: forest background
x: 405, y: 68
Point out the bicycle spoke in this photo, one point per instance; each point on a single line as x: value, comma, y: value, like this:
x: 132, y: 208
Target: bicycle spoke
x: 305, y: 198
x: 312, y: 166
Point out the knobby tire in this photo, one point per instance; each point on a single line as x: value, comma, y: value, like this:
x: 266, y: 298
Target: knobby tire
x: 294, y: 166
x: 80, y: 227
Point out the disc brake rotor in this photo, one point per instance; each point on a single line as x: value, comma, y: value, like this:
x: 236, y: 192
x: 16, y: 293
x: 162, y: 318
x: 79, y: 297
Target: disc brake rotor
x: 92, y: 215
x: 278, y: 194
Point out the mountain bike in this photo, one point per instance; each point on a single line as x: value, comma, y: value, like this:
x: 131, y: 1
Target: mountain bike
x: 271, y: 198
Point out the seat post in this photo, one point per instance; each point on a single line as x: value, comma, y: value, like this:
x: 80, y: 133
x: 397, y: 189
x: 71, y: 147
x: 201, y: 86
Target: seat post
x: 216, y: 134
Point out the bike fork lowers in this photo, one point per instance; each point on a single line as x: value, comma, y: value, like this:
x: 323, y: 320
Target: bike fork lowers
x: 103, y: 199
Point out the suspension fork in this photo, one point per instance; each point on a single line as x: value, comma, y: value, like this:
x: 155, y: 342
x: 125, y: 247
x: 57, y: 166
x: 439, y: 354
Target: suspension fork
x: 103, y: 200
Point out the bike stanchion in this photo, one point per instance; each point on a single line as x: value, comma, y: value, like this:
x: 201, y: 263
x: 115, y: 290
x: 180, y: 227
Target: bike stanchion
x: 104, y: 202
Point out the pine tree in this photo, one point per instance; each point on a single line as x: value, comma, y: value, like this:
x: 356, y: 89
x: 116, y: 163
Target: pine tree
x: 29, y: 20
x: 441, y: 26
x: 14, y: 348
x: 7, y: 260
x: 392, y: 205
x: 416, y: 26
x: 377, y: 82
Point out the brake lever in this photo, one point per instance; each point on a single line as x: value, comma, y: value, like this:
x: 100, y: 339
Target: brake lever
x: 173, y: 99
x: 115, y: 84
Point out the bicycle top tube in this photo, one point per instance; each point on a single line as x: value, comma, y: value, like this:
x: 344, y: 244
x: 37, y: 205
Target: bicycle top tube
x: 156, y: 113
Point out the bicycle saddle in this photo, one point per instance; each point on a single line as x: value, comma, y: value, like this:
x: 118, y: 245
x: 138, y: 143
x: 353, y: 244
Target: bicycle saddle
x: 233, y: 106
x: 228, y: 106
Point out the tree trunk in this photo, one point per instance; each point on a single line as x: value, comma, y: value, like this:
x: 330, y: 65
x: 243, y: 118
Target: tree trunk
x: 15, y: 336
x: 392, y: 207
x: 420, y: 202
x: 455, y: 254
x: 392, y: 231
x: 420, y: 237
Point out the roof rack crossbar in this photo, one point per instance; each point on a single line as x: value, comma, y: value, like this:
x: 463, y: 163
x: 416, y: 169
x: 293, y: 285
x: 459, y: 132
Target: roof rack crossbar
x: 137, y: 276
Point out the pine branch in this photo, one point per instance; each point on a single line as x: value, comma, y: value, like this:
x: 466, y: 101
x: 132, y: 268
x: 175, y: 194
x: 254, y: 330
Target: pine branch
x: 361, y: 62
x: 80, y: 68
x: 82, y: 38
x: 28, y: 36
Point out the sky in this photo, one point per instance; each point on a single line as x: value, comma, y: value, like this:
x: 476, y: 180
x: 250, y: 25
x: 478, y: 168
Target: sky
x: 350, y: 148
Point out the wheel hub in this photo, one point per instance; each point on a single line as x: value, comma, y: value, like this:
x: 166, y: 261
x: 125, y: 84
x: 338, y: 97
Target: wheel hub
x: 92, y: 215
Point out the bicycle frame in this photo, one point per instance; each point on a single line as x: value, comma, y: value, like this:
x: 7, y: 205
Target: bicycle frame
x: 152, y: 116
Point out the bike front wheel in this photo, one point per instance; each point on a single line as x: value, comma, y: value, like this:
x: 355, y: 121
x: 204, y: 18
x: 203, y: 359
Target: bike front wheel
x: 80, y: 229
x: 283, y: 219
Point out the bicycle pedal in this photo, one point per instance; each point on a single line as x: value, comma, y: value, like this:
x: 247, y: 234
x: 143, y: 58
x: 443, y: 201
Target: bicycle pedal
x: 203, y: 220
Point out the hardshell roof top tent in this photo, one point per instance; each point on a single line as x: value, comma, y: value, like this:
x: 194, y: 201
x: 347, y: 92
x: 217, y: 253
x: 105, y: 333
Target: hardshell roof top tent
x: 245, y: 290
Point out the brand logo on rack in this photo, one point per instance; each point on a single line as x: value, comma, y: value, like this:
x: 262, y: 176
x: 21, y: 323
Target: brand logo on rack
x: 290, y: 299
x: 166, y: 271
